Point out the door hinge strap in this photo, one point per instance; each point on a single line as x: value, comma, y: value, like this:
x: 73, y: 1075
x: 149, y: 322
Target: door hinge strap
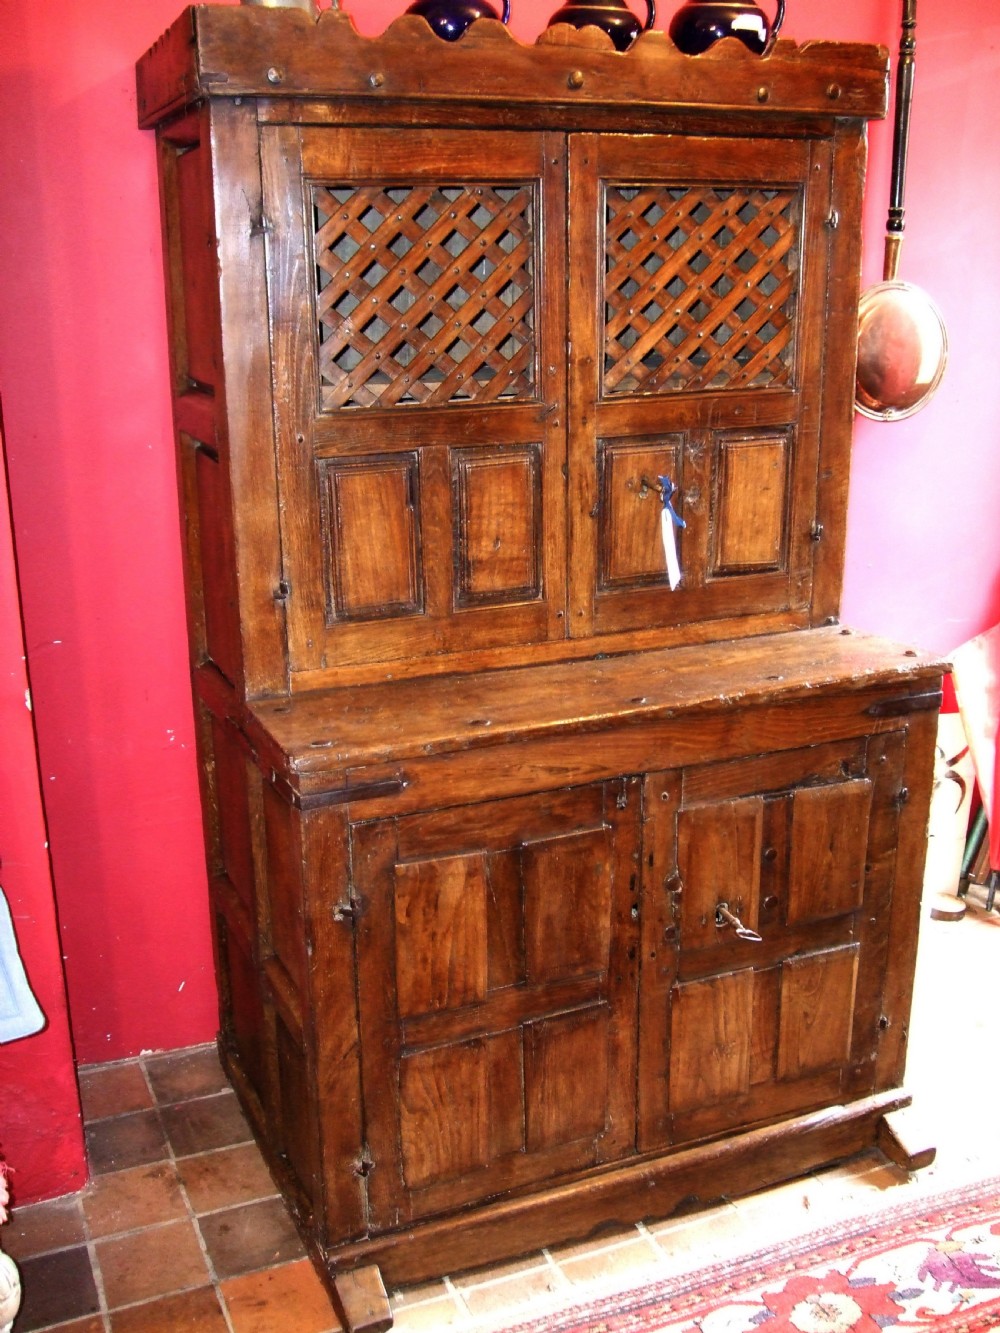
x: 907, y: 703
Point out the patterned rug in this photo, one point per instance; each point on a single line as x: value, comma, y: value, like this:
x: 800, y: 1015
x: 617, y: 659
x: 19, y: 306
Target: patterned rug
x: 927, y: 1264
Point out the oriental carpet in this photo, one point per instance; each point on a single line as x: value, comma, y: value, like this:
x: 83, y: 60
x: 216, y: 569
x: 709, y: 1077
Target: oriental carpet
x: 932, y: 1263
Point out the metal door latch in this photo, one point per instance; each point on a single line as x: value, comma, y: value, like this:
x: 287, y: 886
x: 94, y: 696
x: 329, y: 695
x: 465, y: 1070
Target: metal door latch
x: 723, y: 917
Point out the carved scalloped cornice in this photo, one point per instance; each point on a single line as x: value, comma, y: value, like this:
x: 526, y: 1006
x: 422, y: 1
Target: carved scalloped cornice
x: 223, y: 50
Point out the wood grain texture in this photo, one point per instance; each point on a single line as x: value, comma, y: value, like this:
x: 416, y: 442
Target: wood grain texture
x: 817, y: 1011
x: 246, y: 429
x: 335, y: 731
x: 361, y: 1301
x: 847, y: 167
x: 485, y: 1066
x: 830, y: 840
x: 328, y: 58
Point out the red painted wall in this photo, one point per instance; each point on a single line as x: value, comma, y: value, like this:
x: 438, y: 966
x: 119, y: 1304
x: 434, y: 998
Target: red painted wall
x: 40, y: 1132
x: 83, y: 375
x: 82, y: 370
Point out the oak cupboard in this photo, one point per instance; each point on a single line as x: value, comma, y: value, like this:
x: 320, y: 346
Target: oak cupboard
x: 548, y: 891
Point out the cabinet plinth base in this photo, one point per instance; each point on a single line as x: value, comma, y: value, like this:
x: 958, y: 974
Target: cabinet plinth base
x: 361, y: 1301
x: 654, y: 1188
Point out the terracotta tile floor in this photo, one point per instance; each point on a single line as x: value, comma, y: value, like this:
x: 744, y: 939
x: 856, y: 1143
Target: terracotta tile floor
x: 181, y: 1227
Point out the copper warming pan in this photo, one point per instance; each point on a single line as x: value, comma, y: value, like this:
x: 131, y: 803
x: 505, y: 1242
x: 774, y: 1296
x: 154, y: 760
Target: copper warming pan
x: 902, y: 342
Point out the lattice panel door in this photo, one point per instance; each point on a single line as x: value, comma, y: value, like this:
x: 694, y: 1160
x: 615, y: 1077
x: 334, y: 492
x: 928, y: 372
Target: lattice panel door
x: 700, y: 287
x: 426, y: 293
x: 419, y: 388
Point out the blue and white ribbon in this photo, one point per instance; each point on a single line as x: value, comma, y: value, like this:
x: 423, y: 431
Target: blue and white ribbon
x: 670, y: 521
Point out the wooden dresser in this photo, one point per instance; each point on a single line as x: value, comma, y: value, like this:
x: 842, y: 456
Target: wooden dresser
x: 545, y: 895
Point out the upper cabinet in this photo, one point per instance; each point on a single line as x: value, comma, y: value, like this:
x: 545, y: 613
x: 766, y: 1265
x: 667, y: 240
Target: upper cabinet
x: 464, y: 367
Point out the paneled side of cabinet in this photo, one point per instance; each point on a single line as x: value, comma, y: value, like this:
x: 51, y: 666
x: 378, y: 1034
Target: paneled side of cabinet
x: 221, y: 386
x: 282, y: 907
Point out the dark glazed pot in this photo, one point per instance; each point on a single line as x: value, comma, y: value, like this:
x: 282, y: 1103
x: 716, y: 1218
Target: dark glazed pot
x: 699, y: 24
x: 450, y: 18
x: 613, y: 16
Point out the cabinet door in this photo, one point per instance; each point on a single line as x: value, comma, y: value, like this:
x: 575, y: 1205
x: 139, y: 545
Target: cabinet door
x: 497, y: 988
x: 417, y: 336
x: 697, y: 316
x: 747, y: 1030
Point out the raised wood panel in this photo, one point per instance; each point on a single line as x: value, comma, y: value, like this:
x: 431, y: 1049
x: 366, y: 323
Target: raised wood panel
x: 751, y: 504
x: 567, y: 905
x: 817, y: 1011
x: 284, y: 889
x: 461, y: 1108
x: 220, y: 600
x: 372, y: 537
x: 566, y: 1079
x: 441, y: 934
x: 829, y: 847
x: 199, y: 266
x: 298, y: 1120
x: 711, y: 1034
x: 444, y: 1107
x: 235, y: 836
x: 718, y: 858
x: 631, y: 547
x: 498, y: 524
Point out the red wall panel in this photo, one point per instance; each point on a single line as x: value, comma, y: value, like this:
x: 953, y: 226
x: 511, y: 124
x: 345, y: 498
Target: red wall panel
x: 40, y: 1131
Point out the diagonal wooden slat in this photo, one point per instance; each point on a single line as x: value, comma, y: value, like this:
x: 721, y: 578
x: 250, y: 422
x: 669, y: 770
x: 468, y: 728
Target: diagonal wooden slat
x: 405, y: 305
x: 684, y: 322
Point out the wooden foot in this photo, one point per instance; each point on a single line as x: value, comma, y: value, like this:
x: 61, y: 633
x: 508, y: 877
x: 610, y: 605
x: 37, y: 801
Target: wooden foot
x: 896, y: 1139
x: 361, y: 1301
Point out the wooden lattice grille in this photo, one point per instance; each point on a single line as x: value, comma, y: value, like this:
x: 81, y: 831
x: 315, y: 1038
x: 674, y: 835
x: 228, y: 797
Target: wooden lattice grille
x: 425, y: 294
x: 700, y: 287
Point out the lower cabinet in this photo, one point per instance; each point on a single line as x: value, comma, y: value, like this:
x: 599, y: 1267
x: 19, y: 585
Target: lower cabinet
x: 626, y: 952
x: 554, y: 982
